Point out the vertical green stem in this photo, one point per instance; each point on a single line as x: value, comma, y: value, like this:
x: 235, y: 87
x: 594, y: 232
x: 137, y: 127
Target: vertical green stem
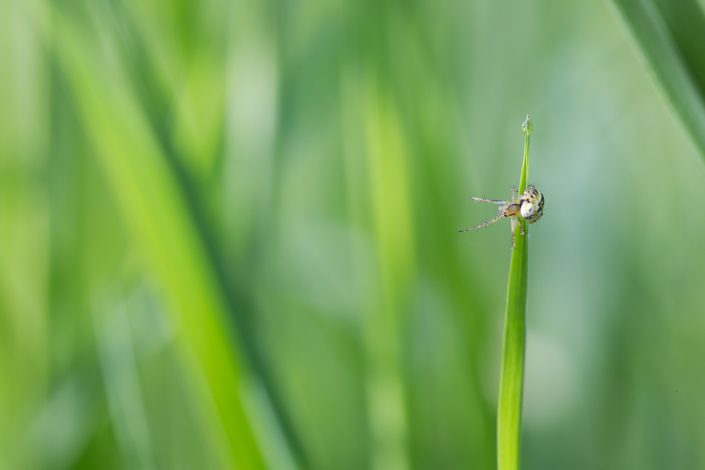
x: 511, y: 384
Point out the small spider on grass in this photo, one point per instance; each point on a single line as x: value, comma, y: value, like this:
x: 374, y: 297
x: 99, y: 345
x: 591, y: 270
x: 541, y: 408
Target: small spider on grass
x: 528, y: 206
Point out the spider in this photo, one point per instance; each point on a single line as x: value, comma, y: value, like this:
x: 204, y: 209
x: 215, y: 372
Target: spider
x: 528, y: 206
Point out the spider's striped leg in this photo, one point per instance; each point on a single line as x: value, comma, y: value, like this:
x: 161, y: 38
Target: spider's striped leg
x: 493, y: 220
x: 490, y: 201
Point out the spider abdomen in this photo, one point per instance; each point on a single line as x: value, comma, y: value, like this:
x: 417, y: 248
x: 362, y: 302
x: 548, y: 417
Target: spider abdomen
x: 532, y: 204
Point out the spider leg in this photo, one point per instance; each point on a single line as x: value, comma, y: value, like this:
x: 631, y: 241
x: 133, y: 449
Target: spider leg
x: 493, y: 220
x: 490, y: 201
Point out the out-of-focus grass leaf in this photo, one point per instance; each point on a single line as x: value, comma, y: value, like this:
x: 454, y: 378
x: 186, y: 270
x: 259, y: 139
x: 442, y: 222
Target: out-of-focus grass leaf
x: 392, y: 216
x: 671, y: 36
x: 119, y: 370
x: 24, y: 217
x: 62, y: 427
x: 157, y: 214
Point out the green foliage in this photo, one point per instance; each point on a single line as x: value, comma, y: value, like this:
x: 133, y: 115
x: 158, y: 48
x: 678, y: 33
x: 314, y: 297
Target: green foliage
x: 228, y: 234
x: 670, y: 35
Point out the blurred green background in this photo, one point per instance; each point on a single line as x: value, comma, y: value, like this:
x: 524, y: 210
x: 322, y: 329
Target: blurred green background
x: 228, y: 234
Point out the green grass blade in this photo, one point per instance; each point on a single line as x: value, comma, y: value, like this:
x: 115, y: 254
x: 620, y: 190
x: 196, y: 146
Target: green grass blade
x: 671, y: 35
x: 511, y: 384
x: 154, y: 207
